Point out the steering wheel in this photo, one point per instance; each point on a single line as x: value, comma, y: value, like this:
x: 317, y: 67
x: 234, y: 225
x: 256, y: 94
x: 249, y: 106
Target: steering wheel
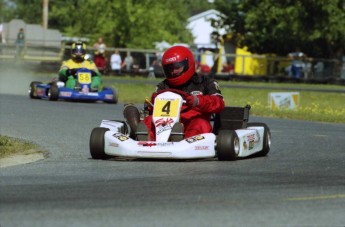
x: 183, y: 94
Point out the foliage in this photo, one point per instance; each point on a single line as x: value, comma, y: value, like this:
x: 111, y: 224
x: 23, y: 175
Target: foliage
x: 9, y: 145
x: 125, y: 23
x: 270, y: 26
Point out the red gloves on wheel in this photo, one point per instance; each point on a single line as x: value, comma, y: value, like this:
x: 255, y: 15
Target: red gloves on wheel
x: 191, y: 100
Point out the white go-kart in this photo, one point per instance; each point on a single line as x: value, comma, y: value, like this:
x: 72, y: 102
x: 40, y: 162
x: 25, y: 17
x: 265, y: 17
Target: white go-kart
x: 233, y: 137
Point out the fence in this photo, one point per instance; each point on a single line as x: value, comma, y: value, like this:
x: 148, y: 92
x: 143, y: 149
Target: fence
x: 246, y: 66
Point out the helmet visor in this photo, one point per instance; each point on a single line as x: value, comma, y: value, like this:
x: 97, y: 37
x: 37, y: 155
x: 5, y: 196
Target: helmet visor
x: 79, y: 50
x: 175, y: 69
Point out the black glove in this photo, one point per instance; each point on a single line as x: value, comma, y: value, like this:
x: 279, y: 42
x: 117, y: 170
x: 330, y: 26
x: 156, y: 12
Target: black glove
x: 71, y: 72
x: 93, y: 73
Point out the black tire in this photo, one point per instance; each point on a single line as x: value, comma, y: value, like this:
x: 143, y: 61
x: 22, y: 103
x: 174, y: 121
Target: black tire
x: 132, y: 116
x: 228, y: 145
x: 267, y: 138
x: 32, y: 89
x: 53, y: 93
x: 97, y: 143
x: 115, y: 96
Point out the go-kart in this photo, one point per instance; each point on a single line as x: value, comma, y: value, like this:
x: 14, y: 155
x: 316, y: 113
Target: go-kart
x: 55, y: 90
x: 232, y: 137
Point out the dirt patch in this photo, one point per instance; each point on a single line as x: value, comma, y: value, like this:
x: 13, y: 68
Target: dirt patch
x: 19, y: 159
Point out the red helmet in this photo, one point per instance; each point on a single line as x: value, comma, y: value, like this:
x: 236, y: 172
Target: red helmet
x: 178, y: 65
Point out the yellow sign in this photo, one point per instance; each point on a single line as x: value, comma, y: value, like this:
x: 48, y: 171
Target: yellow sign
x: 289, y: 100
x: 166, y: 108
x: 84, y: 78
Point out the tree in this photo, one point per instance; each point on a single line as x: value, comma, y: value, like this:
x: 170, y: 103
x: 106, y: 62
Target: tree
x: 28, y: 10
x: 125, y: 23
x: 270, y: 26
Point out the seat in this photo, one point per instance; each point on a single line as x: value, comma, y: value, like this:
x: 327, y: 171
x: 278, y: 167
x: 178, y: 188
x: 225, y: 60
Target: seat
x: 231, y: 118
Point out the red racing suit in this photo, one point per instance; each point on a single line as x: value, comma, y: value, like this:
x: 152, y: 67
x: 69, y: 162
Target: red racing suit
x: 195, y: 120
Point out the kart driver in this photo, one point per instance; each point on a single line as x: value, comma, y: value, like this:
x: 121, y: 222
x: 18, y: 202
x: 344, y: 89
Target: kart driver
x: 202, y: 94
x: 69, y: 68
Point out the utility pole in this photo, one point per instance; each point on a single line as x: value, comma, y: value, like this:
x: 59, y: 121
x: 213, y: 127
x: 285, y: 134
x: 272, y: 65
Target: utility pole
x: 45, y: 14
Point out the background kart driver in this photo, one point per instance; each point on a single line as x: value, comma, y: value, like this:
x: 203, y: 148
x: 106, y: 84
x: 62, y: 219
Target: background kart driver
x: 202, y: 94
x: 69, y: 68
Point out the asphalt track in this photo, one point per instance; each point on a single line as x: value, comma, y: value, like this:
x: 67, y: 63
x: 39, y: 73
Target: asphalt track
x: 300, y: 183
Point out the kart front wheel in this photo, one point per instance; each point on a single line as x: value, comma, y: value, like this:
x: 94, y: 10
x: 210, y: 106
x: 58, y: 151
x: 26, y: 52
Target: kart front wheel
x: 97, y: 143
x: 228, y: 145
x: 32, y: 89
x: 266, y: 140
x: 115, y: 98
x: 53, y: 93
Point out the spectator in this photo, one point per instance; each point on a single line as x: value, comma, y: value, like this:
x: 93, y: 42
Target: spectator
x: 228, y: 67
x: 157, y: 68
x: 115, y: 62
x: 1, y: 38
x: 128, y: 62
x: 20, y: 42
x: 203, y: 69
x: 297, y: 64
x: 99, y: 58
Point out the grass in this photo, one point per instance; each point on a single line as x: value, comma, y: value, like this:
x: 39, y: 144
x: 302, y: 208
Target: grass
x: 10, y: 146
x: 314, y: 106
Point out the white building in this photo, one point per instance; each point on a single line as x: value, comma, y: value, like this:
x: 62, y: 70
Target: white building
x: 200, y: 26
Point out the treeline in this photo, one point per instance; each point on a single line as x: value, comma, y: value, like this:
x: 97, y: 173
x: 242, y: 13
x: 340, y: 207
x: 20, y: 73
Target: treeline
x: 265, y: 26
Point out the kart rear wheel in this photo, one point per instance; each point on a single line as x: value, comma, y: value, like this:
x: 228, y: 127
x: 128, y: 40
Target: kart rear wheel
x: 97, y: 143
x: 267, y: 137
x: 115, y: 95
x: 32, y: 89
x: 228, y: 145
x: 53, y: 93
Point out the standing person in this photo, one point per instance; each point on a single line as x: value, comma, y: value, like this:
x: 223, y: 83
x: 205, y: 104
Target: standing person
x: 69, y: 68
x: 20, y: 42
x: 100, y: 60
x: 1, y: 28
x: 128, y: 62
x: 297, y: 63
x: 202, y: 94
x: 115, y: 62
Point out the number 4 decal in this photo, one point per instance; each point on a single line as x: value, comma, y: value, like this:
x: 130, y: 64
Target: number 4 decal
x: 166, y: 107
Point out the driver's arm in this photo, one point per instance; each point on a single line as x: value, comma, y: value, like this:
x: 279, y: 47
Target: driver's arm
x: 212, y: 101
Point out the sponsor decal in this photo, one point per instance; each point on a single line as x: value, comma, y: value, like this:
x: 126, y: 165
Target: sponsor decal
x: 195, y: 138
x: 251, y: 144
x: 171, y: 59
x: 108, y: 96
x: 65, y: 93
x: 162, y: 129
x: 196, y: 93
x: 201, y: 148
x: 147, y: 144
x: 251, y: 141
x: 251, y: 137
x: 165, y: 144
x: 120, y: 137
x: 85, y: 89
x: 92, y: 94
x: 113, y: 144
x: 166, y: 99
x: 245, y: 146
x: 216, y: 85
x: 163, y: 124
x: 40, y: 91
